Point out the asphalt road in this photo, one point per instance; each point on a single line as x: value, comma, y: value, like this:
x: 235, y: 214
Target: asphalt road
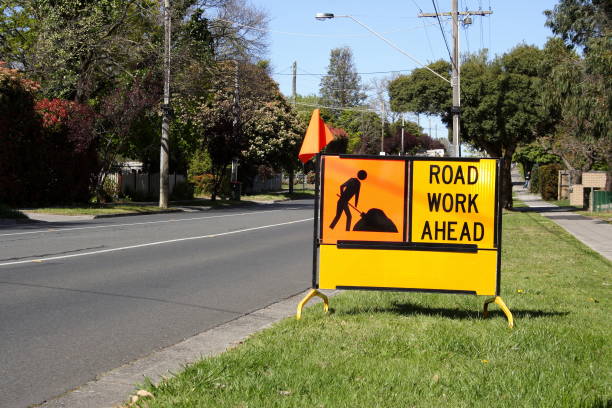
x: 78, y: 299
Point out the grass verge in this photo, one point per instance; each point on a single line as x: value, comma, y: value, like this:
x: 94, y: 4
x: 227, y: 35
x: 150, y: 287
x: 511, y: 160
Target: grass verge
x: 142, y: 208
x: 381, y: 349
x: 97, y: 209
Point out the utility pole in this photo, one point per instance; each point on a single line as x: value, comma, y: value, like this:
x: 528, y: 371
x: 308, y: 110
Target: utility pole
x: 456, y: 76
x: 382, y: 128
x: 402, y: 147
x: 165, y: 135
x: 235, y: 134
x: 294, y: 96
x: 455, y: 81
x: 294, y: 83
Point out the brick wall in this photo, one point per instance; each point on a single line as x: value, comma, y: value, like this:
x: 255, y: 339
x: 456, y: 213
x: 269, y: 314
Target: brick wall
x: 595, y: 179
x: 577, y: 195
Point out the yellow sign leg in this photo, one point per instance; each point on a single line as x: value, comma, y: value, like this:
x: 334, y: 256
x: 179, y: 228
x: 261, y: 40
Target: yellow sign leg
x: 309, y: 296
x: 499, y: 302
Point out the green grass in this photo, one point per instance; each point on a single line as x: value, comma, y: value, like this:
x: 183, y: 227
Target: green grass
x: 297, y: 194
x: 602, y: 215
x: 97, y: 209
x: 139, y: 208
x: 381, y: 349
x: 561, y: 203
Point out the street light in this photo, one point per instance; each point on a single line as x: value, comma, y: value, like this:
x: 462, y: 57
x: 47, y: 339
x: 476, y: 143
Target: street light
x: 329, y: 16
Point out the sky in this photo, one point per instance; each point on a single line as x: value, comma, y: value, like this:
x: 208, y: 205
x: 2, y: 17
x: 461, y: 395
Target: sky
x: 295, y: 35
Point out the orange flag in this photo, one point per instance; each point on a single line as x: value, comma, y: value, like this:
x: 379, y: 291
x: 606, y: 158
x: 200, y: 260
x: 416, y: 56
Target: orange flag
x: 317, y: 137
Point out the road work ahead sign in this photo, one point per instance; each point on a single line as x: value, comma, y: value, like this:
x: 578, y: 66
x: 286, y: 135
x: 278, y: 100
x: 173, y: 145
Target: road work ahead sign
x: 389, y: 222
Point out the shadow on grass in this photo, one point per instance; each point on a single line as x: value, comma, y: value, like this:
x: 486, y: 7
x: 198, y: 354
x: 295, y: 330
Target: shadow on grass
x: 410, y: 309
x: 546, y: 209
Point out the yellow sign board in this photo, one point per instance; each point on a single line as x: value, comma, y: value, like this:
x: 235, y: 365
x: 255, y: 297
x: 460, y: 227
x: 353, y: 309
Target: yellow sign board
x: 408, y: 223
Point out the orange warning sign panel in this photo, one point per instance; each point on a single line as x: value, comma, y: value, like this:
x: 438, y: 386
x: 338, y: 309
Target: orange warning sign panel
x: 363, y: 199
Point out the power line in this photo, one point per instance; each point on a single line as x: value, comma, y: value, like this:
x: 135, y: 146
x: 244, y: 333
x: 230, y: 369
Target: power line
x: 442, y: 29
x: 345, y: 108
x: 265, y: 30
x: 490, y: 22
x: 417, y: 6
x: 358, y: 73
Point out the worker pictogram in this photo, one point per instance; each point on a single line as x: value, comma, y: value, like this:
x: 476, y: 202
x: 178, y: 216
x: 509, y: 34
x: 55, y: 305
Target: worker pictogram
x: 374, y: 220
x: 363, y: 199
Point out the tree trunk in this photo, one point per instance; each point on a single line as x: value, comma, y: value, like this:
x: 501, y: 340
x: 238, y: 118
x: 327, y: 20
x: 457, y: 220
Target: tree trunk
x: 506, y: 179
x: 609, y: 180
x: 291, y: 179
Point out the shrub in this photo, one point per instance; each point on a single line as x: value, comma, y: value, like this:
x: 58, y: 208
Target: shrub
x: 202, y: 183
x: 549, y: 181
x: 110, y: 190
x: 47, y: 149
x: 71, y: 158
x: 182, y: 191
x: 199, y: 164
x: 22, y: 175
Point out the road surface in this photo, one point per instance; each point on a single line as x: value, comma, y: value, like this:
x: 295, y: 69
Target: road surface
x: 80, y: 298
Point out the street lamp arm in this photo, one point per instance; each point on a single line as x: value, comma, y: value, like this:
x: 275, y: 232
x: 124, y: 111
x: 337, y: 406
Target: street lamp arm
x: 394, y: 46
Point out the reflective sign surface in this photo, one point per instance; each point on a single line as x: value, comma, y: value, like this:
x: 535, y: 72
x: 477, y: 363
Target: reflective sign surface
x: 409, y: 223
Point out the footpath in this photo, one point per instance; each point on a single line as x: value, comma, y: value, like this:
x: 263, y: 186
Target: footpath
x: 596, y: 234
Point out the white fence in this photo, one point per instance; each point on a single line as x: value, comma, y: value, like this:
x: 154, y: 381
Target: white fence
x: 262, y: 184
x: 143, y: 184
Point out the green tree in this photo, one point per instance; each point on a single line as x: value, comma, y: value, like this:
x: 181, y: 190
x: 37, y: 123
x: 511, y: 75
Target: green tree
x: 528, y: 155
x: 341, y: 87
x: 259, y: 127
x: 364, y: 129
x: 501, y: 105
x: 580, y: 90
x: 432, y: 92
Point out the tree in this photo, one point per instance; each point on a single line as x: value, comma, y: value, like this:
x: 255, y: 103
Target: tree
x: 71, y: 161
x: 580, y: 92
x: 433, y: 92
x: 580, y: 23
x: 263, y: 130
x: 341, y: 87
x: 21, y: 176
x: 47, y: 152
x: 363, y: 128
x: 274, y: 134
x: 123, y: 114
x: 106, y: 53
x: 531, y: 154
x: 415, y: 140
x: 501, y: 105
x: 76, y: 49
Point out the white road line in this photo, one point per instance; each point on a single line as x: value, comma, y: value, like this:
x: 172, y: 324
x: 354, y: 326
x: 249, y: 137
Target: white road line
x: 53, y: 258
x: 139, y: 223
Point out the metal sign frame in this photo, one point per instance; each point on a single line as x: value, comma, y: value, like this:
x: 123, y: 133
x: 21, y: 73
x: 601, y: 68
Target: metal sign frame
x: 407, y: 242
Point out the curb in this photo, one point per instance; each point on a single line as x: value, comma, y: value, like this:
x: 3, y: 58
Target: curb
x: 170, y: 210
x: 114, y: 388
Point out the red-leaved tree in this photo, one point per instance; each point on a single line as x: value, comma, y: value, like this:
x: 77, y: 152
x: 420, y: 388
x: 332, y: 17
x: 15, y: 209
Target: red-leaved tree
x: 21, y: 175
x: 68, y: 130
